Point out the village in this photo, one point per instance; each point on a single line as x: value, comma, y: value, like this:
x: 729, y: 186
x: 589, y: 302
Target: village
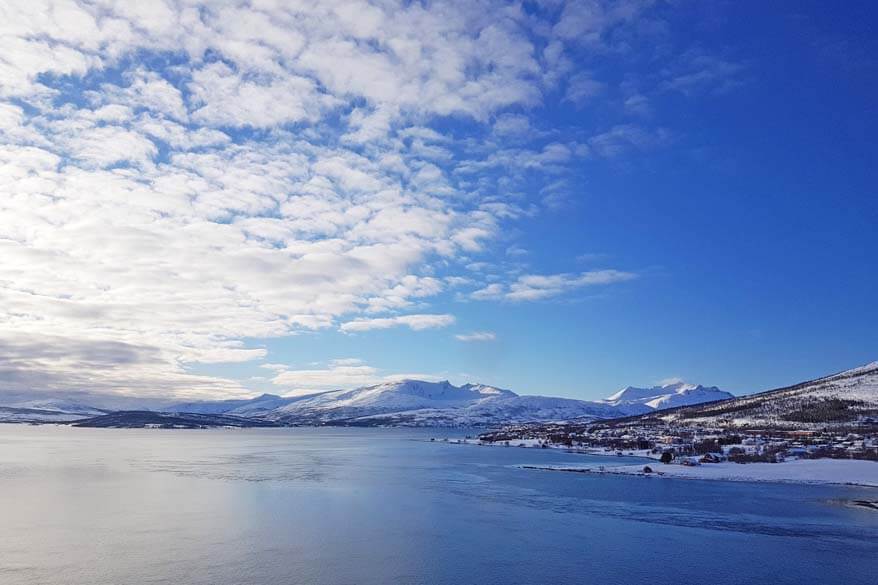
x: 692, y: 446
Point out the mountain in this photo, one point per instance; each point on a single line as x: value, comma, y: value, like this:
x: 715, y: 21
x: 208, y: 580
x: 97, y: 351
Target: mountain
x: 335, y: 405
x: 242, y: 407
x: 406, y: 403
x: 138, y: 419
x: 845, y: 398
x: 61, y: 406
x: 420, y: 403
x: 47, y: 411
x: 642, y: 400
x: 402, y: 398
x: 398, y: 403
x: 839, y: 399
x: 502, y: 410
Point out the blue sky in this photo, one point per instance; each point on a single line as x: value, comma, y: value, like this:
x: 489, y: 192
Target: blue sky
x: 559, y: 198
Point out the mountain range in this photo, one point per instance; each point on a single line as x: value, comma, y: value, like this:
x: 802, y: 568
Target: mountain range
x: 399, y: 403
x: 838, y: 399
x: 670, y: 395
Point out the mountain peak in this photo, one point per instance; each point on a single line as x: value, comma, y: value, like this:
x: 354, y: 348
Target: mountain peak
x: 668, y: 395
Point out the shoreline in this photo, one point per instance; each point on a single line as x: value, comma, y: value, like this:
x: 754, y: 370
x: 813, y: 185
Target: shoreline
x: 858, y: 473
x: 852, y: 472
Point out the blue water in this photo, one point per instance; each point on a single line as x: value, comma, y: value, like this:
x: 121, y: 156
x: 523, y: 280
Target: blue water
x: 373, y: 506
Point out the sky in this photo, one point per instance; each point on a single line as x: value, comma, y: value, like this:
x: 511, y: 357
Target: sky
x: 220, y: 199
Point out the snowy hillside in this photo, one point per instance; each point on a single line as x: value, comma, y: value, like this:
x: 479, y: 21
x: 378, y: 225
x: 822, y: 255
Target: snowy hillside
x: 843, y: 398
x: 47, y: 410
x: 60, y: 406
x: 244, y: 407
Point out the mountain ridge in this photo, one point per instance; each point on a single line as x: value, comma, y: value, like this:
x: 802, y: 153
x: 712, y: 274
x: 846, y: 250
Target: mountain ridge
x: 413, y: 402
x: 841, y: 398
x: 666, y: 396
x: 407, y: 402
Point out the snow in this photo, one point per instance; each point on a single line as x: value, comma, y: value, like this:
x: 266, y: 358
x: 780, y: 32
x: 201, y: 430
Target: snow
x: 39, y: 417
x: 816, y: 471
x: 858, y: 386
x: 58, y: 406
x: 399, y: 396
x: 632, y: 393
x: 420, y: 403
x: 642, y: 400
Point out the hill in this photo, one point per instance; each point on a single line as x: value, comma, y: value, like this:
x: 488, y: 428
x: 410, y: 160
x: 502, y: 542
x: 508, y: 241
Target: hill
x: 127, y: 419
x: 845, y: 398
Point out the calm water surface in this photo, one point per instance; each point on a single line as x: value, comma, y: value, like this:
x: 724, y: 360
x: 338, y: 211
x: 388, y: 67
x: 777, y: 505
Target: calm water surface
x: 373, y: 506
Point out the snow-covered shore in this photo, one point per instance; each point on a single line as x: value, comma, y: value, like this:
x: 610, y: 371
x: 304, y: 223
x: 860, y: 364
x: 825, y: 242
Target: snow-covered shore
x: 537, y: 444
x: 810, y: 471
x: 816, y: 471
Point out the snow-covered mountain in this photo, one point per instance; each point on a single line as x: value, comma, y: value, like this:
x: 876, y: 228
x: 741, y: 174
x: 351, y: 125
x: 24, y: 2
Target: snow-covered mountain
x: 842, y: 398
x: 642, y: 400
x: 47, y: 410
x: 60, y: 405
x: 379, y: 404
x: 403, y: 403
x: 420, y: 403
x: 500, y: 410
x: 243, y: 407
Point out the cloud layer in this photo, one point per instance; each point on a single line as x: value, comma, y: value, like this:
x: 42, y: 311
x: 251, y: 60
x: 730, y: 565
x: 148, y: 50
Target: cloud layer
x: 180, y: 178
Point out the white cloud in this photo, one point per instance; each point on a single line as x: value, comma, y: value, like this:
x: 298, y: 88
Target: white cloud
x: 588, y: 22
x: 698, y: 71
x: 223, y: 97
x: 334, y: 377
x: 582, y: 86
x: 107, y: 145
x: 638, y: 104
x: 181, y: 177
x: 671, y: 380
x: 146, y: 90
x: 512, y: 125
x: 477, y: 336
x: 413, y: 322
x: 492, y: 291
x: 338, y: 374
x: 532, y: 287
x: 624, y: 137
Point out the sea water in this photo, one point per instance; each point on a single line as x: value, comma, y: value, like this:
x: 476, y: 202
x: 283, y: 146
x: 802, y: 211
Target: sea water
x: 342, y: 506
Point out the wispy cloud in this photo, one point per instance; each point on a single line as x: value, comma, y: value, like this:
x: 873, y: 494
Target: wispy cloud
x: 696, y: 70
x: 338, y: 374
x: 414, y: 322
x: 625, y: 137
x: 477, y: 336
x: 533, y: 287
